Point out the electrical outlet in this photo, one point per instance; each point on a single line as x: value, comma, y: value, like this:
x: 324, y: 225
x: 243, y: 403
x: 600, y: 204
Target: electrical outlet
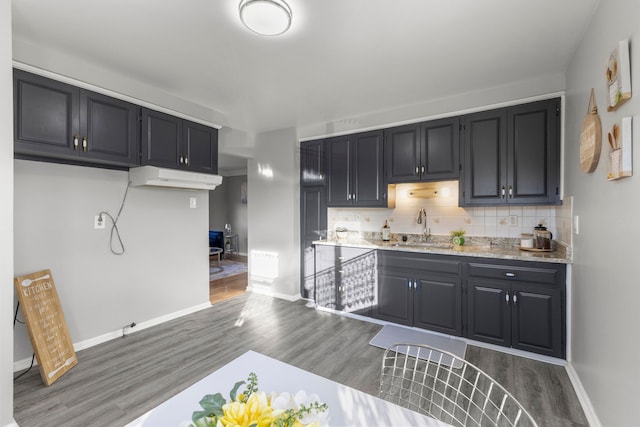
x: 98, y: 222
x: 513, y: 219
x: 193, y: 202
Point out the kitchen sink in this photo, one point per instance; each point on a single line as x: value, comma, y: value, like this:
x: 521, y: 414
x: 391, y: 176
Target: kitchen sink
x: 423, y: 245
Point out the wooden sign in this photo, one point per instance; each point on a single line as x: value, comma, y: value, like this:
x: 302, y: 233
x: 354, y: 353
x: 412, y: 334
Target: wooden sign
x: 46, y: 325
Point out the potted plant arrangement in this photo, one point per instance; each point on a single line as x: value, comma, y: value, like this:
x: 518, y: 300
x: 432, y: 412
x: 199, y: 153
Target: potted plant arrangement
x: 458, y: 237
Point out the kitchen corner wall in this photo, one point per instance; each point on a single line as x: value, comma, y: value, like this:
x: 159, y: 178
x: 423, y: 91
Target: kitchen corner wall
x: 605, y: 290
x: 444, y: 215
x: 165, y: 267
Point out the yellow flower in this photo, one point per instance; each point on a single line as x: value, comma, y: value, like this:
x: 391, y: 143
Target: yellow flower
x: 256, y: 411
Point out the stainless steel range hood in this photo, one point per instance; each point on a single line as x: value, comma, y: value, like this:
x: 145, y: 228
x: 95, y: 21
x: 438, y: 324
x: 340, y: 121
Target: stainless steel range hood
x: 152, y: 176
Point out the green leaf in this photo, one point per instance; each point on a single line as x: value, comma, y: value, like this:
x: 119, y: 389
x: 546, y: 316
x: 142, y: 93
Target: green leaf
x: 234, y: 390
x: 212, y: 404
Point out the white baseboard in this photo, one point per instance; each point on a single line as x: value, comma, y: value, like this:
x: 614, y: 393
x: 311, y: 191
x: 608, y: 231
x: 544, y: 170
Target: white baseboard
x: 583, y: 397
x: 266, y: 291
x: 13, y: 423
x: 82, y: 345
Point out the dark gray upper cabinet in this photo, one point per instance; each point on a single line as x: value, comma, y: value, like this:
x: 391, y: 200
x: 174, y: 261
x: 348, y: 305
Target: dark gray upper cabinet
x: 171, y: 142
x: 511, y: 156
x: 312, y: 160
x: 109, y: 128
x: 355, y: 170
x: 423, y: 152
x: 54, y: 120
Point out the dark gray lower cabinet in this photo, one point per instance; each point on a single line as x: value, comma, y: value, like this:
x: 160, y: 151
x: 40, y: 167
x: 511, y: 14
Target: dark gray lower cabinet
x: 519, y: 305
x: 313, y: 226
x: 420, y: 290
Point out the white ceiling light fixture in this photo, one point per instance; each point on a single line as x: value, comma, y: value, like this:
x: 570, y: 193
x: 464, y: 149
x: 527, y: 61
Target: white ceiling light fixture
x: 265, y: 17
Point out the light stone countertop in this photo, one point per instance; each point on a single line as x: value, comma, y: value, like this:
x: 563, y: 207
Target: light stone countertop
x: 489, y: 250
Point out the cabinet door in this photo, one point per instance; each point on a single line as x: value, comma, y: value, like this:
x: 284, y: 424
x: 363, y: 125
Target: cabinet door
x: 533, y: 153
x: 440, y: 149
x: 402, y: 154
x: 161, y: 134
x: 313, y: 226
x: 199, y: 147
x: 339, y: 191
x: 438, y: 304
x: 46, y: 116
x: 109, y: 129
x: 368, y: 177
x: 485, y: 157
x: 395, y: 298
x: 537, y: 319
x: 312, y: 163
x: 489, y: 311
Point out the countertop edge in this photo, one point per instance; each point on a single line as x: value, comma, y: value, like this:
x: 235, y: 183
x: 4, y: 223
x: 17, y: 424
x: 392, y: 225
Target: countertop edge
x: 468, y: 251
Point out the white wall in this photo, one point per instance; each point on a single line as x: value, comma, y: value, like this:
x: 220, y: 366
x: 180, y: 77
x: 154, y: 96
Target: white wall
x: 481, y: 99
x: 6, y: 217
x: 164, y: 269
x: 605, y: 275
x: 274, y: 215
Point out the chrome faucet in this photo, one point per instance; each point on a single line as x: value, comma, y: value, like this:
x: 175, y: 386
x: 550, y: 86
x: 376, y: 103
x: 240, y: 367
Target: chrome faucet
x: 420, y: 220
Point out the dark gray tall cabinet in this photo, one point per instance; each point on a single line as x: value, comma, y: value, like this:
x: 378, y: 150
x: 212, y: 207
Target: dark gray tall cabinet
x: 313, y: 209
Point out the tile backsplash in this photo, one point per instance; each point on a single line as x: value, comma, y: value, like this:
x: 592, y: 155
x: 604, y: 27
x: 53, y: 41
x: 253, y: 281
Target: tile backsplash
x: 444, y: 215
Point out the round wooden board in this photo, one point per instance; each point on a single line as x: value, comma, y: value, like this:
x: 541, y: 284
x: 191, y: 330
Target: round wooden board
x: 590, y: 142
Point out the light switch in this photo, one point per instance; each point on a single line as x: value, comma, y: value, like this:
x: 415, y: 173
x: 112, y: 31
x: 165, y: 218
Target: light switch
x: 193, y: 202
x: 576, y: 224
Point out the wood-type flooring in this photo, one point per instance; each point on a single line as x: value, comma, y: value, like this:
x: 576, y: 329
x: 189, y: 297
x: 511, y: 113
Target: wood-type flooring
x: 223, y: 286
x: 117, y: 381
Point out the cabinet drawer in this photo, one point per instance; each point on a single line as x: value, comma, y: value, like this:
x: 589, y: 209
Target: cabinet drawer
x: 516, y: 273
x: 421, y: 262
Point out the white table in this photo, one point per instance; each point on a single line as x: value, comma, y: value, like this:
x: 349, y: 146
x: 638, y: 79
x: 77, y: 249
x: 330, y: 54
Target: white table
x: 347, y: 406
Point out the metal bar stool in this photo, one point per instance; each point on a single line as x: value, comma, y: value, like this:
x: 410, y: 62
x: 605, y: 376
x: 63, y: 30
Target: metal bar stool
x: 448, y: 388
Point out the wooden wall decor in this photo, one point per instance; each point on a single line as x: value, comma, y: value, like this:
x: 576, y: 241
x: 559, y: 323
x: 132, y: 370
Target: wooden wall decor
x: 46, y: 325
x: 620, y: 150
x: 618, y: 76
x: 590, y: 137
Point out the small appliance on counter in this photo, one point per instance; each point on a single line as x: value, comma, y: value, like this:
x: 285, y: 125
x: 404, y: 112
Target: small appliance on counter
x: 539, y: 241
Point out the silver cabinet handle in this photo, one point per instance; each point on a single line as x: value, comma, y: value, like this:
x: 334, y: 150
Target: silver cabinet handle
x: 186, y: 160
x: 410, y: 283
x: 84, y: 144
x: 502, y: 192
x: 515, y: 298
x: 422, y: 169
x: 511, y: 192
x: 181, y: 160
x: 417, y: 170
x: 506, y: 297
x: 510, y: 274
x: 75, y: 142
